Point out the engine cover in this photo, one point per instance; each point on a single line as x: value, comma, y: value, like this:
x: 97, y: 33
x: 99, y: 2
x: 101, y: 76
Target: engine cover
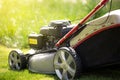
x: 36, y: 41
x: 55, y: 28
x: 41, y: 63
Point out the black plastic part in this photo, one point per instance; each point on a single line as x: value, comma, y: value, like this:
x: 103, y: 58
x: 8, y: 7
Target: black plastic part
x: 101, y: 49
x: 59, y: 23
x: 76, y: 58
x: 55, y: 28
x: 23, y: 62
x: 51, y: 31
x: 77, y: 61
x: 40, y: 41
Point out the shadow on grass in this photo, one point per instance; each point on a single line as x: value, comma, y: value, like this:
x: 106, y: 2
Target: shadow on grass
x: 107, y: 73
x: 54, y: 76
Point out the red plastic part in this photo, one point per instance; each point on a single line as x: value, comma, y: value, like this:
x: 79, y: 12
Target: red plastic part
x: 98, y: 31
x: 74, y: 29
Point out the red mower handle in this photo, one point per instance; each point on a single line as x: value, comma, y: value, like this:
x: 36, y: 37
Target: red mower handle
x: 74, y: 29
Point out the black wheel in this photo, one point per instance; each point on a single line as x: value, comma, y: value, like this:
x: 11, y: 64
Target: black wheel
x: 16, y: 60
x: 67, y: 64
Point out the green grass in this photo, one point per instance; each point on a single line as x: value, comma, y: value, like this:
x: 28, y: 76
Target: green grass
x: 19, y: 18
x: 7, y: 74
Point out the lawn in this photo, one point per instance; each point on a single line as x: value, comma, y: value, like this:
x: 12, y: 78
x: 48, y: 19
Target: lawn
x: 18, y: 18
x: 7, y: 74
x: 23, y: 17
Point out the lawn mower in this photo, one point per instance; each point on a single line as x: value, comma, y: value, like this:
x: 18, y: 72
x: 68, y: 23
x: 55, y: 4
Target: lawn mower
x: 67, y: 50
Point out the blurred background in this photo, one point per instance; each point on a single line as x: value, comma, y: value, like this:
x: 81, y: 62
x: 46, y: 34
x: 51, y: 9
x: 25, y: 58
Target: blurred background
x: 19, y: 18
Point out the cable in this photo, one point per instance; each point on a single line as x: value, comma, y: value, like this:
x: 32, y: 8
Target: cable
x: 106, y: 18
x: 110, y: 7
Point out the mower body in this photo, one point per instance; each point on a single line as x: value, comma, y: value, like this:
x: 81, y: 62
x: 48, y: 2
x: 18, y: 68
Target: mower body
x: 98, y: 44
x: 42, y: 63
x: 95, y: 44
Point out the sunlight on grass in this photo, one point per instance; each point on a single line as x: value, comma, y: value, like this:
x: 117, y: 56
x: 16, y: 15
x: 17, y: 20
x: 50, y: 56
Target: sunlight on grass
x: 21, y: 17
x: 7, y: 74
x: 18, y: 18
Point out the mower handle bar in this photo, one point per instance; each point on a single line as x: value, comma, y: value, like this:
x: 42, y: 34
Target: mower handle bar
x: 74, y: 29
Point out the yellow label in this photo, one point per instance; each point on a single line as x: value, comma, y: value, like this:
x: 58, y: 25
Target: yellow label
x: 32, y: 41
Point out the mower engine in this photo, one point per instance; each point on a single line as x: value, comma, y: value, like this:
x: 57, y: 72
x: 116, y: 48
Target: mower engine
x: 41, y: 55
x: 49, y: 35
x: 84, y: 46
